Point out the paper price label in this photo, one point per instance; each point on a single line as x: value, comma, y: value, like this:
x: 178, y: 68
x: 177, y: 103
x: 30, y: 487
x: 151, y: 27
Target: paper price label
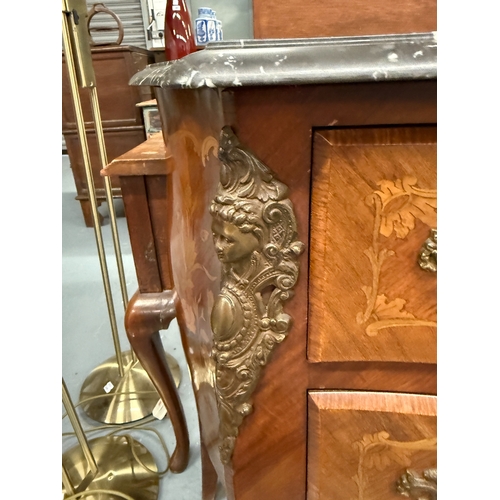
x: 159, y: 411
x: 107, y: 388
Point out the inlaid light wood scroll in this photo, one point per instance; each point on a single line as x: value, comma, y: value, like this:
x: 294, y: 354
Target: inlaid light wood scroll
x: 255, y: 238
x: 378, y: 451
x: 366, y: 445
x: 373, y: 205
x: 397, y: 205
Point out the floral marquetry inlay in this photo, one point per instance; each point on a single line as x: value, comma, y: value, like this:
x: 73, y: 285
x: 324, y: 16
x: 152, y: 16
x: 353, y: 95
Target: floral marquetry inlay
x: 396, y: 206
x: 378, y: 451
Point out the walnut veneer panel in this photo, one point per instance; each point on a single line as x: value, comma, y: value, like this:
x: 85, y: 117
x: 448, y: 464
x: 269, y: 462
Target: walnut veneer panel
x: 373, y: 205
x: 360, y: 443
x: 299, y: 19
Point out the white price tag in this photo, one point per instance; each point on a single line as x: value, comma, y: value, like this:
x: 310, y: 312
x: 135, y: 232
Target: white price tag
x: 159, y: 411
x: 108, y: 387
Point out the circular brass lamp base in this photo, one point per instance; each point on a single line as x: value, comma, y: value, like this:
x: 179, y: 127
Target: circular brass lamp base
x: 117, y: 469
x: 118, y: 400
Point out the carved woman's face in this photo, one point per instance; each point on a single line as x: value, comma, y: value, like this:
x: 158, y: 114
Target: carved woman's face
x: 231, y: 244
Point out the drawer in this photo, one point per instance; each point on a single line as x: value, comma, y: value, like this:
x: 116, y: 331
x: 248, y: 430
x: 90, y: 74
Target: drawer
x: 370, y: 446
x: 373, y: 206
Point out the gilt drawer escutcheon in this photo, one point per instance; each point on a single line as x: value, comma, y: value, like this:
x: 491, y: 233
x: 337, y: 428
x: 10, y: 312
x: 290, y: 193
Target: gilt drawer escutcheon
x: 379, y: 451
x: 255, y: 237
x: 418, y: 487
x: 428, y: 256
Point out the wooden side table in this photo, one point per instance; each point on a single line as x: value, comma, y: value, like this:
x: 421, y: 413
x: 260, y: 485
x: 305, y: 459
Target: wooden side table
x: 143, y: 177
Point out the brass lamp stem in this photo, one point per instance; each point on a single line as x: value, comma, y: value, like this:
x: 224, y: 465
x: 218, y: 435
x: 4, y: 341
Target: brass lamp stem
x: 109, y: 197
x: 82, y: 441
x: 70, y: 62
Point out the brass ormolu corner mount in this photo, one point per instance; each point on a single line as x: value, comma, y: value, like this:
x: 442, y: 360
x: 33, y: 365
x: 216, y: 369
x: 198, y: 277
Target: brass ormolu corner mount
x: 428, y: 255
x: 255, y: 237
x: 418, y: 487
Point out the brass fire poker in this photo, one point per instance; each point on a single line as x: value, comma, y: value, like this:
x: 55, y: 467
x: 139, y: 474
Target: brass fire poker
x: 118, y: 391
x: 106, y: 464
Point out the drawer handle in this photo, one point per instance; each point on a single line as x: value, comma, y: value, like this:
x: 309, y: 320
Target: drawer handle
x: 418, y: 487
x: 427, y: 258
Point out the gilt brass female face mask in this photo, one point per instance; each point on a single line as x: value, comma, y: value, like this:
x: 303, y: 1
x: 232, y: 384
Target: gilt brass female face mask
x: 231, y: 243
x: 255, y: 237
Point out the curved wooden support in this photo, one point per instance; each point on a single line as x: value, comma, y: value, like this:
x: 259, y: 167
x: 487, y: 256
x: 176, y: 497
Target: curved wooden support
x: 146, y: 314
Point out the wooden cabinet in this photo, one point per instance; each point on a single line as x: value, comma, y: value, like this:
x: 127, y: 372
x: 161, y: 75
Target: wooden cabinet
x: 299, y: 19
x: 121, y: 119
x: 299, y: 214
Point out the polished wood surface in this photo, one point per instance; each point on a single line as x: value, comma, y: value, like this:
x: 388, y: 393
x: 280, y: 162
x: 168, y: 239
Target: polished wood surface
x: 298, y: 19
x: 142, y: 172
x: 148, y: 158
x: 360, y: 443
x: 367, y: 228
x: 146, y: 315
x: 191, y: 125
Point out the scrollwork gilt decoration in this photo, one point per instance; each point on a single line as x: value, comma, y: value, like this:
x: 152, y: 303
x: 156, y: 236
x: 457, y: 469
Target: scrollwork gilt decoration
x: 428, y: 255
x: 255, y: 237
x: 417, y: 487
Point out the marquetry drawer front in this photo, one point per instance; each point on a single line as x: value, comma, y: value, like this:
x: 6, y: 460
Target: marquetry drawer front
x: 372, y: 293
x: 371, y: 446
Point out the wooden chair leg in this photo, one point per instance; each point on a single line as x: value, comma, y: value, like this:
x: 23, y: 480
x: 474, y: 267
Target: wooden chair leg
x: 147, y: 313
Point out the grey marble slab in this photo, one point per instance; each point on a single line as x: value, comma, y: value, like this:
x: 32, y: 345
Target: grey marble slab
x: 298, y: 62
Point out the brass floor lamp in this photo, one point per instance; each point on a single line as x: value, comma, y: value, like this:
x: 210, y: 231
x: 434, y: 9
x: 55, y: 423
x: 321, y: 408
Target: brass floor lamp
x: 107, y: 467
x: 119, y: 390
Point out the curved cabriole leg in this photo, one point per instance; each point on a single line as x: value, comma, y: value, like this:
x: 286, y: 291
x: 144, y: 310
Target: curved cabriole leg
x: 147, y: 313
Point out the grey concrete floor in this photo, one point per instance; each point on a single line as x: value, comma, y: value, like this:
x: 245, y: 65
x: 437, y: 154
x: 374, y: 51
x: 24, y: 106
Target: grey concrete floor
x: 87, y: 334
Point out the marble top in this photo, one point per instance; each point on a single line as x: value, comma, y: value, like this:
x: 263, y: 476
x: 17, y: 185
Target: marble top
x: 299, y: 62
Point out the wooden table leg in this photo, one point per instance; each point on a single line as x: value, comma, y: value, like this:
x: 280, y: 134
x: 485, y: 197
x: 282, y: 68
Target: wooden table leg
x: 87, y: 213
x: 146, y: 314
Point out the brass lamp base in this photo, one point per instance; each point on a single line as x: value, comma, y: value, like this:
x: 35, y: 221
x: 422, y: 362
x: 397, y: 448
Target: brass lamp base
x: 118, y: 400
x: 117, y: 469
